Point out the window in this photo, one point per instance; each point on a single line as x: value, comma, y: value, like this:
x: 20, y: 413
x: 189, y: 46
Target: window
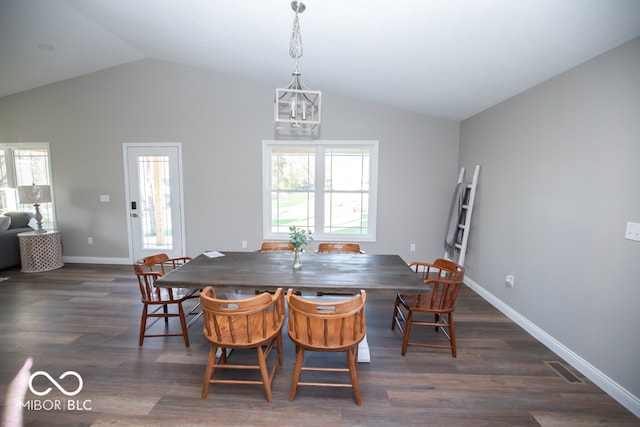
x: 25, y: 164
x: 328, y: 187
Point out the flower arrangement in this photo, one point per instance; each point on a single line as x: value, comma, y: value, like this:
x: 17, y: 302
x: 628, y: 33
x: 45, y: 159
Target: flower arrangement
x: 299, y: 237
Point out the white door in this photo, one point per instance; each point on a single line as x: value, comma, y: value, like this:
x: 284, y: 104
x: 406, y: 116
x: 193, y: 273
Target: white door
x: 154, y: 199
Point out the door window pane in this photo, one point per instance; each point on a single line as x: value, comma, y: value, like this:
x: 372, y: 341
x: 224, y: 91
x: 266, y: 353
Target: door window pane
x: 155, y: 202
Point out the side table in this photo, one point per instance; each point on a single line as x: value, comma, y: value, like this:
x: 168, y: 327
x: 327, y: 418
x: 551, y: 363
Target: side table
x: 40, y: 251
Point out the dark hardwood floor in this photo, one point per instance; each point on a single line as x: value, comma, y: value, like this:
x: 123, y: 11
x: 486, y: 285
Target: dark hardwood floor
x: 85, y: 318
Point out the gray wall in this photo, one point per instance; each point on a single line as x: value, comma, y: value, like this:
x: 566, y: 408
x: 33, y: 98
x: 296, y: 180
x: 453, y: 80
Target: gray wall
x: 559, y: 181
x: 221, y: 121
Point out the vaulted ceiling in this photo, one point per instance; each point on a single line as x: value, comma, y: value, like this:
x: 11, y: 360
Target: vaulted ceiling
x: 446, y: 58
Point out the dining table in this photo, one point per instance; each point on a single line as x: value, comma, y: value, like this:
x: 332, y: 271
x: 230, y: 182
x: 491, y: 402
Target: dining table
x: 244, y: 273
x: 330, y: 272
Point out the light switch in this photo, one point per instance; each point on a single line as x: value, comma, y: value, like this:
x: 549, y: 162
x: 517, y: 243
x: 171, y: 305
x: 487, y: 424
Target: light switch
x: 633, y: 231
x: 105, y: 198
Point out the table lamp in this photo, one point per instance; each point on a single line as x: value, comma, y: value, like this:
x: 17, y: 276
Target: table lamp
x: 35, y: 194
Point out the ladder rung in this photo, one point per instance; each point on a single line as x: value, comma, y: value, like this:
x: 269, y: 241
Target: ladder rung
x: 464, y: 223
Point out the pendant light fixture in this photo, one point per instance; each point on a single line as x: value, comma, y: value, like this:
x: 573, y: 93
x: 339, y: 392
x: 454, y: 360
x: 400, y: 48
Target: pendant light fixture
x: 297, y: 108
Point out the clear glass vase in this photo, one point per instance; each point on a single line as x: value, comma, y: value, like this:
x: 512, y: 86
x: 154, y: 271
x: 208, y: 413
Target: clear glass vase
x: 297, y: 264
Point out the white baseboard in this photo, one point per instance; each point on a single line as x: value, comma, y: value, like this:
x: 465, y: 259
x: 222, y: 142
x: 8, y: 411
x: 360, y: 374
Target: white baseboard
x: 613, y: 389
x: 96, y: 260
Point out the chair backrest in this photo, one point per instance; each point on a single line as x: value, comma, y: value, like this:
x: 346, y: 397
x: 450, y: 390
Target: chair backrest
x: 442, y: 297
x: 160, y: 262
x: 441, y: 267
x: 326, y: 325
x: 146, y: 277
x: 353, y: 248
x: 241, y: 323
x: 276, y: 246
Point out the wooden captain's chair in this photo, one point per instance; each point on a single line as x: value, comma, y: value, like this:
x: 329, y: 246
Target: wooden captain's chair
x: 158, y: 301
x: 338, y: 247
x: 336, y: 326
x: 251, y: 323
x: 442, y: 281
x: 276, y: 246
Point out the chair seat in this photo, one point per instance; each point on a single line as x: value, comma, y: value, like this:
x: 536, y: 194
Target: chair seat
x: 177, y: 294
x: 415, y: 300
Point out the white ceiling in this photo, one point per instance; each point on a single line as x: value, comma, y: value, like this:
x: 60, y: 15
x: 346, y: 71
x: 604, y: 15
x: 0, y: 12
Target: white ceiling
x: 446, y: 58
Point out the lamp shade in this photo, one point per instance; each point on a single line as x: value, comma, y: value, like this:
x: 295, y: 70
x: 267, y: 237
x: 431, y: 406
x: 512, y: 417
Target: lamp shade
x: 31, y: 194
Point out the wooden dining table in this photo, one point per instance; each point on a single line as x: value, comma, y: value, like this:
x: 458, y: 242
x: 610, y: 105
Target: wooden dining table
x: 242, y: 273
x: 268, y: 271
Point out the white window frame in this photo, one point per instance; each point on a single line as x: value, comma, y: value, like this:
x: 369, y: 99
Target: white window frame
x: 319, y: 145
x: 48, y: 212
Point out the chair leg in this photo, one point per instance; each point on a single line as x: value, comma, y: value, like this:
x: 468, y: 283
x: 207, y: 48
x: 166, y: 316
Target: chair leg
x: 395, y: 314
x: 296, y: 372
x: 353, y: 372
x: 143, y: 324
x: 407, y: 331
x: 452, y: 335
x: 183, y: 325
x: 264, y: 373
x: 279, y: 346
x: 208, y: 372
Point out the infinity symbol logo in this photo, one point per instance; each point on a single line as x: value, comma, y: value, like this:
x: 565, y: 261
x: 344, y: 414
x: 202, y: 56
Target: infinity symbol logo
x: 55, y: 383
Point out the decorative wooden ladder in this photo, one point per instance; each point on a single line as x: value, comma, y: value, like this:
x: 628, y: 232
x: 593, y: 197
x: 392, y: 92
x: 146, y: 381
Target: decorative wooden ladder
x: 464, y: 224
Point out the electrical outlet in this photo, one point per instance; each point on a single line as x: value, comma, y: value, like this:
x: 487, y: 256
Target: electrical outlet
x: 633, y: 231
x: 90, y: 240
x: 412, y: 247
x: 509, y: 280
x: 244, y: 244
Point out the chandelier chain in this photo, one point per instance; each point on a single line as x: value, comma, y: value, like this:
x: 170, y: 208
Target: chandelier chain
x: 295, y: 44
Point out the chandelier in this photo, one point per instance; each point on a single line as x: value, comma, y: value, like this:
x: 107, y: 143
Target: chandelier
x: 296, y: 106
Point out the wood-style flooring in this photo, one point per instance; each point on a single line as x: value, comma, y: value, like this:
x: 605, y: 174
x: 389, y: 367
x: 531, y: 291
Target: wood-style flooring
x: 85, y: 318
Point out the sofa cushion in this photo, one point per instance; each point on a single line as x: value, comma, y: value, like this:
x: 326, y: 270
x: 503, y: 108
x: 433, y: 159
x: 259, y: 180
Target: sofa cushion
x: 5, y: 222
x: 19, y: 219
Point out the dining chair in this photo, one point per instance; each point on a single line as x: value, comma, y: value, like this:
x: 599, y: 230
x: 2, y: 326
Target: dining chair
x: 276, y: 246
x: 156, y: 302
x: 442, y: 281
x: 251, y: 323
x: 342, y: 248
x: 336, y: 326
x: 338, y: 247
